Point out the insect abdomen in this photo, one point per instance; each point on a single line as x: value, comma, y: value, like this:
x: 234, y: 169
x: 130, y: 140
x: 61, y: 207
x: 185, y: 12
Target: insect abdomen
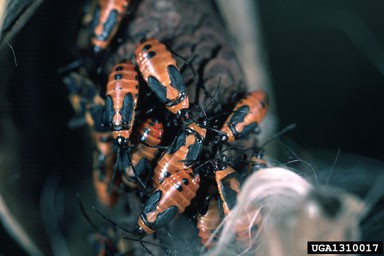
x: 160, y: 71
x: 171, y: 198
x: 247, y: 115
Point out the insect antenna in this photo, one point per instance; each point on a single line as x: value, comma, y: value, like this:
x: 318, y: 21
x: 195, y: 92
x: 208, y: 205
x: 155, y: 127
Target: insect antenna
x: 142, y: 243
x: 86, y: 216
x: 259, y: 149
x: 214, y: 93
x: 120, y: 165
x: 109, y: 250
x: 203, y: 111
x: 207, y: 94
x: 117, y: 226
x: 278, y: 134
x: 205, y: 168
x: 256, y: 151
x: 189, y: 64
x: 114, y: 224
x: 205, y: 119
x: 186, y: 63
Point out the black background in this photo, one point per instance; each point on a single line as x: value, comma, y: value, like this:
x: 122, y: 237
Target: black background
x: 324, y: 81
x: 326, y: 63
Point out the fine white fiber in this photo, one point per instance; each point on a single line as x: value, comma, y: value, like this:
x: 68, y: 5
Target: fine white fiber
x: 278, y: 212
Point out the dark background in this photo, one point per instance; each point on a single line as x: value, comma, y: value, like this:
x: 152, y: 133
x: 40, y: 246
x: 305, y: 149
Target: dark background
x: 324, y: 79
x: 324, y: 60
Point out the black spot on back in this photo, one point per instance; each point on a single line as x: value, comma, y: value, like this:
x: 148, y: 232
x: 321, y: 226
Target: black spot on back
x: 150, y: 55
x: 146, y: 47
x: 179, y: 187
x: 146, y: 131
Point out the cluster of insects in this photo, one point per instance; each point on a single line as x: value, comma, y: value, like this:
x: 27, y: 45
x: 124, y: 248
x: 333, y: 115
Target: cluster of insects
x: 153, y: 142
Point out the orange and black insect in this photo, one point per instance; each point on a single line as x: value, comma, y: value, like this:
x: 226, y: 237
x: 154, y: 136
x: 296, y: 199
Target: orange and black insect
x: 121, y: 100
x: 227, y: 180
x: 162, y: 75
x: 104, y: 158
x: 83, y: 96
x: 228, y: 183
x: 143, y: 154
x: 181, y: 154
x: 208, y: 220
x: 246, y: 117
x: 171, y: 197
x: 86, y: 101
x: 106, y: 21
x: 167, y: 251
